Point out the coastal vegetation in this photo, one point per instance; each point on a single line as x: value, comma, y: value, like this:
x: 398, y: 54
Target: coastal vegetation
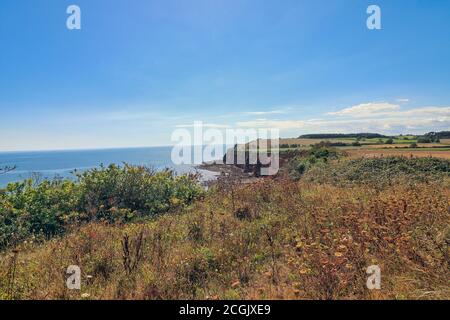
x: 42, y: 210
x: 308, y: 233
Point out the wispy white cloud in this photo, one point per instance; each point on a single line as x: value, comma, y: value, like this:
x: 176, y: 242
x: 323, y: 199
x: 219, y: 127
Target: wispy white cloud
x: 382, y: 110
x: 373, y: 117
x: 366, y: 109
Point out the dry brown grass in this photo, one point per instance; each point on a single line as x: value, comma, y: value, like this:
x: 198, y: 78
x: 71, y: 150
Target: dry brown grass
x: 268, y: 240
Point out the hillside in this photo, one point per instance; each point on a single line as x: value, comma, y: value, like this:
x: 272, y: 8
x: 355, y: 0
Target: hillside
x: 309, y: 233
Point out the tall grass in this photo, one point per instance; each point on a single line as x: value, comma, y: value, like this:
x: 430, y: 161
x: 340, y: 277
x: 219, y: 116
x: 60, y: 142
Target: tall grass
x: 273, y: 239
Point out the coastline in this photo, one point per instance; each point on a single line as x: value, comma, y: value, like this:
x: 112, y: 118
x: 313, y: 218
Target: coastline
x: 227, y: 172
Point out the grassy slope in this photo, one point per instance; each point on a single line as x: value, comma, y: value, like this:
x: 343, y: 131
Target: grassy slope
x: 273, y: 239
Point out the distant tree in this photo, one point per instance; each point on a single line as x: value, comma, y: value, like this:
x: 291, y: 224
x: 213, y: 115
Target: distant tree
x: 389, y: 141
x: 435, y: 136
x: 342, y: 135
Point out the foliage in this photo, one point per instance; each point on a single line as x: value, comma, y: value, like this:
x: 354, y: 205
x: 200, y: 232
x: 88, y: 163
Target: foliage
x: 380, y: 172
x: 342, y: 136
x: 436, y: 136
x: 280, y: 238
x: 141, y: 191
x: 318, y: 154
x: 113, y: 194
x: 297, y: 241
x: 424, y: 140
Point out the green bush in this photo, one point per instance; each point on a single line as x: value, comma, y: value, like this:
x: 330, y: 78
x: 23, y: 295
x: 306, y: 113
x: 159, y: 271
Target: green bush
x: 380, y: 172
x: 318, y: 154
x: 424, y: 140
x: 112, y: 194
x: 138, y: 189
x: 41, y: 210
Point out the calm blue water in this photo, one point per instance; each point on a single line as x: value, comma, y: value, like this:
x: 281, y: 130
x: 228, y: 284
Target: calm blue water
x: 51, y: 164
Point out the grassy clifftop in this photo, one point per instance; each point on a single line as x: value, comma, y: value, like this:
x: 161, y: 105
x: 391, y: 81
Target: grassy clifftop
x: 277, y: 238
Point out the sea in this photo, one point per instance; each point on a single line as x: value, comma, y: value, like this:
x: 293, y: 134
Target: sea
x: 62, y: 164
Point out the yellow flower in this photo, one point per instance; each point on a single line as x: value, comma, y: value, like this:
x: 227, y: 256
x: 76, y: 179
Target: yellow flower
x: 303, y: 271
x: 175, y: 201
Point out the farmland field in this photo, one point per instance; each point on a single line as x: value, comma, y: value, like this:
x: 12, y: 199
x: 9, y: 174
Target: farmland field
x: 435, y: 153
x: 373, y: 147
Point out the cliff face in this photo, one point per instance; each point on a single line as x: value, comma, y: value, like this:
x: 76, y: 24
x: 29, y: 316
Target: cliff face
x: 242, y: 157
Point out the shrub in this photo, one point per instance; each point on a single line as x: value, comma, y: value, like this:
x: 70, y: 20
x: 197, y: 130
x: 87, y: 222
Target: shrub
x: 318, y: 154
x: 380, y: 172
x: 41, y: 210
x: 111, y: 194
x: 424, y: 140
x: 138, y: 189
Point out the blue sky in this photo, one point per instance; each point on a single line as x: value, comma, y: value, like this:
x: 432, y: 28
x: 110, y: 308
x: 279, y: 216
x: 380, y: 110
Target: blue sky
x: 139, y: 69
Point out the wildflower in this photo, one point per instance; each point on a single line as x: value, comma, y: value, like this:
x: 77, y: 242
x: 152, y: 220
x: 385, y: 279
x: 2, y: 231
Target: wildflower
x: 303, y: 271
